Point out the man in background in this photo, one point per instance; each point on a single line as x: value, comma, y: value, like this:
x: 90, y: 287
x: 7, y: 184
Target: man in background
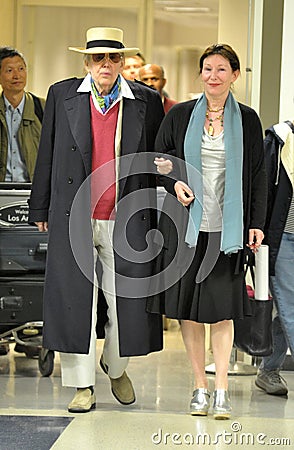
x: 20, y: 119
x: 132, y: 65
x: 153, y: 75
x: 20, y: 127
x: 279, y: 235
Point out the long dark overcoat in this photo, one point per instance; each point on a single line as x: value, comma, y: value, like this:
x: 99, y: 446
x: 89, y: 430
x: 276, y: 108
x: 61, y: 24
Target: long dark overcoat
x: 63, y: 164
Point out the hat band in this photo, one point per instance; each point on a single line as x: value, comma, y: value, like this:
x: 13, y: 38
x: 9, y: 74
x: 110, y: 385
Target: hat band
x: 105, y: 43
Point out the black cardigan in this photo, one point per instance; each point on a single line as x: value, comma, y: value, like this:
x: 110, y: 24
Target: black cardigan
x: 170, y: 140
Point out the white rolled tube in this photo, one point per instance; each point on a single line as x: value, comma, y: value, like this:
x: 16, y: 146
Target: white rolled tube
x: 261, y: 273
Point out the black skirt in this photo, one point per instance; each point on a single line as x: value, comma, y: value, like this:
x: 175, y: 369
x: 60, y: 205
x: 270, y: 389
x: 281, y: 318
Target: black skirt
x: 208, y: 291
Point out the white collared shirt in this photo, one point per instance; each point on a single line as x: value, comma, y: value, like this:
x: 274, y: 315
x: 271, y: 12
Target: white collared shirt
x: 125, y: 91
x: 16, y: 168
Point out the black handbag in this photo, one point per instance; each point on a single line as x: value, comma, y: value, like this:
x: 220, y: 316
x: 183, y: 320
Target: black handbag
x: 253, y: 334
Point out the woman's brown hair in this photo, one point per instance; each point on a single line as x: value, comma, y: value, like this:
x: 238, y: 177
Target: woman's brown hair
x: 224, y: 50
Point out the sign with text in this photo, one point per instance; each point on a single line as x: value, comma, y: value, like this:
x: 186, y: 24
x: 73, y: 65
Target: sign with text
x: 14, y: 214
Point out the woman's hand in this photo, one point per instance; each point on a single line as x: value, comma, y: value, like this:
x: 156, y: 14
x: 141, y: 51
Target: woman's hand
x: 164, y: 166
x: 184, y: 193
x: 255, y: 239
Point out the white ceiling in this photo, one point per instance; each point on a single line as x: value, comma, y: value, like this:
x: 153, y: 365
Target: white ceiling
x: 184, y: 12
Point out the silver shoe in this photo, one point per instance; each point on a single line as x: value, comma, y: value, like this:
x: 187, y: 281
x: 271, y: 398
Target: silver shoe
x: 221, y: 404
x: 199, y: 405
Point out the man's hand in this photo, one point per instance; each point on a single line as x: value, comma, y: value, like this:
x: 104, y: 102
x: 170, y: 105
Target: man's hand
x: 164, y: 166
x: 42, y: 226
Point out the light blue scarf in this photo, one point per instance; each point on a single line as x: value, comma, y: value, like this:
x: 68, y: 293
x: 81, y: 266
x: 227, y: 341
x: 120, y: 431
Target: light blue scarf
x: 232, y: 229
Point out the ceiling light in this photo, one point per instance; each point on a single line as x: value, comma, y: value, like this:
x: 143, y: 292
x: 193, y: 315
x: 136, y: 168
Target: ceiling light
x: 176, y: 2
x: 186, y: 9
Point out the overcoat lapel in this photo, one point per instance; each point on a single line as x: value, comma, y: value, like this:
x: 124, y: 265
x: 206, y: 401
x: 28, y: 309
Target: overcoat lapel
x: 132, y: 126
x: 77, y: 109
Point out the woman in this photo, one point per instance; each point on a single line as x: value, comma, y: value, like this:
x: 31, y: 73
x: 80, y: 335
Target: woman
x: 222, y: 186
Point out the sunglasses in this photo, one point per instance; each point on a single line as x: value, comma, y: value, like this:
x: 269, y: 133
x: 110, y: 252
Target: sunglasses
x: 113, y: 57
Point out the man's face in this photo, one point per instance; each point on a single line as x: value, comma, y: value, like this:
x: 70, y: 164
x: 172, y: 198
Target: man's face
x: 131, y: 67
x: 105, y: 71
x: 13, y: 75
x: 152, y: 76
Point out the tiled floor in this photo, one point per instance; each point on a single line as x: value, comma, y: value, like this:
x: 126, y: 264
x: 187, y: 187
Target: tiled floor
x: 159, y: 418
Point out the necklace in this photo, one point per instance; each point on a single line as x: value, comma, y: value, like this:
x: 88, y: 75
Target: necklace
x: 210, y: 126
x: 215, y: 110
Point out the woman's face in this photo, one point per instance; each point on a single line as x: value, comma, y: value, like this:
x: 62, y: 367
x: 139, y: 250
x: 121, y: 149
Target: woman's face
x: 217, y: 76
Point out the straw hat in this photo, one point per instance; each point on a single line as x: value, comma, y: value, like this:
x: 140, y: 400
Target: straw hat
x: 105, y: 40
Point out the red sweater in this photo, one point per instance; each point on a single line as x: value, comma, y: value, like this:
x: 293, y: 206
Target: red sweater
x: 103, y: 181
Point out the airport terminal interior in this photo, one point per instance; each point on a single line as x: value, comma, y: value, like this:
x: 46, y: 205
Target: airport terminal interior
x: 33, y: 403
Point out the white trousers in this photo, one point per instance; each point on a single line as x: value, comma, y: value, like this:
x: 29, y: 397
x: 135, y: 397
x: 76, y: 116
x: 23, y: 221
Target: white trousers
x: 78, y: 370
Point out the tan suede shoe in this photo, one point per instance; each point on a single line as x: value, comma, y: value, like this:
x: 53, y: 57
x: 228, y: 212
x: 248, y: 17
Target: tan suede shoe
x: 121, y: 387
x: 83, y: 401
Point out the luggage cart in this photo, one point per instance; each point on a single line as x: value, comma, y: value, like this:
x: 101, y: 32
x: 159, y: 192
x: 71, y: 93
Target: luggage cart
x: 22, y: 266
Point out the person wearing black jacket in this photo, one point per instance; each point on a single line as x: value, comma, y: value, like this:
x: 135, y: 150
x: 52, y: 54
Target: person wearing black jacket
x: 101, y: 127
x: 212, y: 149
x: 279, y: 235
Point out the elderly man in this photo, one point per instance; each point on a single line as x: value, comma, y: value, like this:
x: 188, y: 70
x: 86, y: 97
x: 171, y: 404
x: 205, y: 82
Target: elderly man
x: 153, y: 75
x: 94, y: 190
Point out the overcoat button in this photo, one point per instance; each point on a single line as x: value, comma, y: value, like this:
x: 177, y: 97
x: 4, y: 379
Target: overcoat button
x: 74, y: 148
x: 143, y: 217
x: 67, y: 213
x: 70, y: 180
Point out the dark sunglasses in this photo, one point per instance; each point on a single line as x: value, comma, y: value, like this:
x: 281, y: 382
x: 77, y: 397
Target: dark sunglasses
x: 113, y: 57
